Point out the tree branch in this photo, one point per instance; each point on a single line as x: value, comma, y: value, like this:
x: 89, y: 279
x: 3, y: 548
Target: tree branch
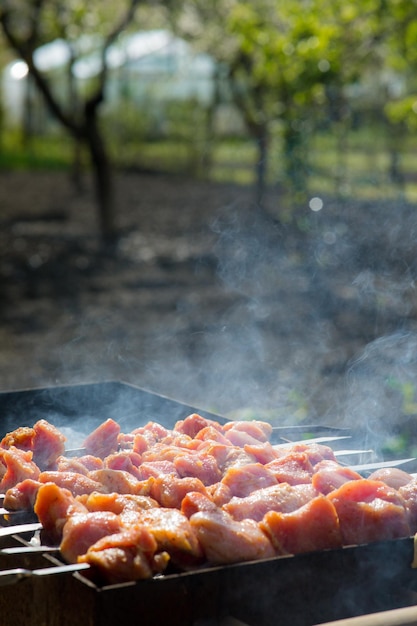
x: 25, y: 49
x: 126, y: 19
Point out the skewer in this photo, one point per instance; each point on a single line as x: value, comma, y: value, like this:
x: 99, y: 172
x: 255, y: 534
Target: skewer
x: 363, y: 467
x: 12, y: 576
x: 7, y: 531
x: 75, y: 452
x: 348, y: 452
x: 4, y: 511
x: 310, y: 428
x: 325, y: 439
x: 28, y: 549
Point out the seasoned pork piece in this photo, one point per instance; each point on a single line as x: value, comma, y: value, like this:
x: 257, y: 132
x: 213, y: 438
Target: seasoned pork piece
x: 48, y: 444
x: 156, y: 469
x: 116, y: 502
x: 120, y: 481
x: 180, y: 440
x: 19, y: 465
x: 125, y: 441
x: 54, y: 506
x: 262, y: 452
x: 294, y: 468
x: 169, y: 491
x: 219, y: 493
x: 103, y: 440
x: 261, y: 431
x: 228, y: 456
x: 140, y: 443
x: 160, y: 452
x: 240, y: 438
x: 125, y: 460
x: 283, y: 498
x: 45, y: 441
x: 313, y: 526
x: 21, y: 438
x: 409, y: 494
x: 210, y: 433
x: 392, y: 476
x: 330, y: 475
x: 194, y: 502
x: 77, y: 484
x: 244, y: 480
x: 225, y: 540
x: 173, y: 534
x: 198, y: 465
x: 126, y: 556
x: 82, y: 530
x: 80, y: 464
x: 194, y: 423
x: 369, y: 510
x: 316, y: 452
x: 22, y: 496
x: 152, y: 432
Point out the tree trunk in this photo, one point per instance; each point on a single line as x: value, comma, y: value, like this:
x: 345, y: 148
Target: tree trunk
x: 261, y: 167
x: 295, y: 161
x: 103, y: 179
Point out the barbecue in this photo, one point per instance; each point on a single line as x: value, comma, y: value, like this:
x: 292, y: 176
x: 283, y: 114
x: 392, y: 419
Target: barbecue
x: 305, y: 589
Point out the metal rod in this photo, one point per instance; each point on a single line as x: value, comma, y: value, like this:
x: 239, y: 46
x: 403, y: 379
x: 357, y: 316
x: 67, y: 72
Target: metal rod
x: 379, y: 465
x: 29, y: 549
x: 13, y: 576
x: 348, y: 452
x: 396, y: 617
x: 7, y: 531
x: 309, y: 441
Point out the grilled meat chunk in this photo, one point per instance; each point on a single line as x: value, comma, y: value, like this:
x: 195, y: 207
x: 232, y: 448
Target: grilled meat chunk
x: 369, y: 510
x: 313, y: 526
x: 125, y: 556
x: 103, y: 440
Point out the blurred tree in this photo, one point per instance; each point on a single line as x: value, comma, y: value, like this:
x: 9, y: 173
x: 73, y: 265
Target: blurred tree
x: 289, y: 64
x: 26, y: 25
x: 400, y: 108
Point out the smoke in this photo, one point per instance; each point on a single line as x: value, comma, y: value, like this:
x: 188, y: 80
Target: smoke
x: 245, y: 315
x: 381, y: 387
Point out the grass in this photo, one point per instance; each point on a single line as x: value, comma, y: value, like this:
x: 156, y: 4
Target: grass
x: 38, y: 153
x: 361, y: 171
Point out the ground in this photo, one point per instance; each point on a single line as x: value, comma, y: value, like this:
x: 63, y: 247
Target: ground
x: 210, y: 300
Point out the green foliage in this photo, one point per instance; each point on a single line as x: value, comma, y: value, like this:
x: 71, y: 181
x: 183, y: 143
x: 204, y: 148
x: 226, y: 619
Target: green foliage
x: 299, y: 70
x: 52, y: 152
x: 404, y: 111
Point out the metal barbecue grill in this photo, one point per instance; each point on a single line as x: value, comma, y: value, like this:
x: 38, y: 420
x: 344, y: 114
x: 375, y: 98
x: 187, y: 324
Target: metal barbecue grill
x: 302, y: 590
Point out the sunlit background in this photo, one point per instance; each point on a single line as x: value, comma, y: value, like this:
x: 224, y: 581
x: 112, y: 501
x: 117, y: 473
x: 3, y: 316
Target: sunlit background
x: 214, y: 200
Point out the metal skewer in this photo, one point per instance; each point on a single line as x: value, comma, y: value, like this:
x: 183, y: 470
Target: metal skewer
x: 12, y: 576
x: 324, y: 439
x: 363, y: 467
x: 28, y: 549
x: 7, y: 531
